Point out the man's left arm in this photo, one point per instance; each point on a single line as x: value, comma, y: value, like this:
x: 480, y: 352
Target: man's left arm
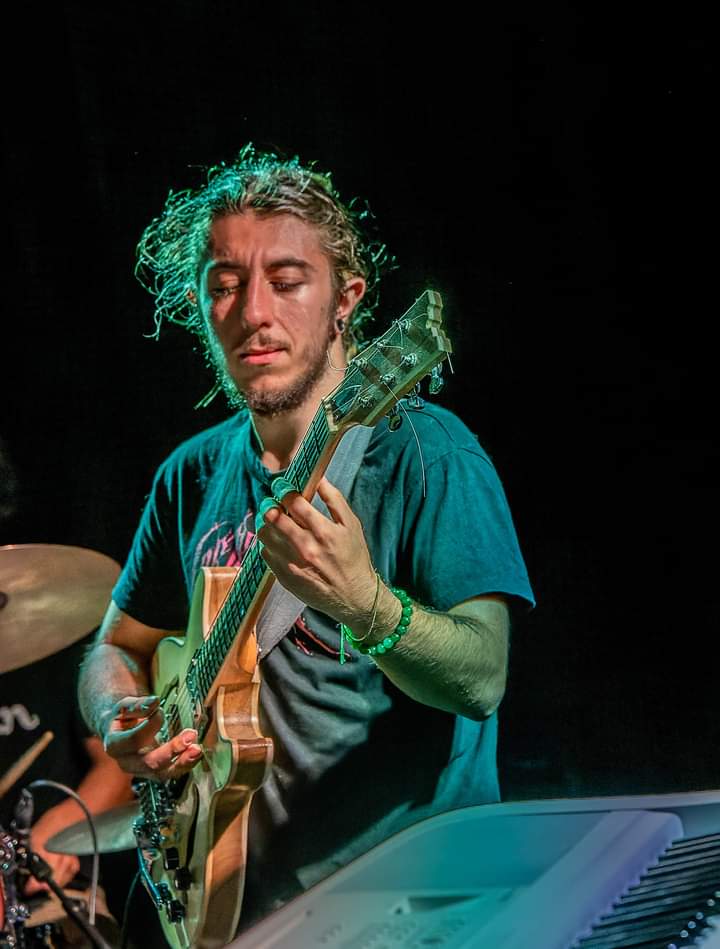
x: 455, y: 661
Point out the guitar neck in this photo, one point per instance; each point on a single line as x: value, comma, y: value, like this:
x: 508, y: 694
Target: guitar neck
x: 254, y: 579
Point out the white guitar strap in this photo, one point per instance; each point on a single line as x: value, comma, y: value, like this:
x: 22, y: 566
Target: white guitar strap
x: 282, y: 608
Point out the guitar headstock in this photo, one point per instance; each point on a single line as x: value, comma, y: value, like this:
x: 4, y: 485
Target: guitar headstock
x: 390, y: 366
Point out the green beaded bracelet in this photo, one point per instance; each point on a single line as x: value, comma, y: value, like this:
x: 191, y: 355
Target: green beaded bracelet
x: 386, y: 644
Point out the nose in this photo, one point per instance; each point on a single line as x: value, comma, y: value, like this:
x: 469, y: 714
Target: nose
x: 258, y: 303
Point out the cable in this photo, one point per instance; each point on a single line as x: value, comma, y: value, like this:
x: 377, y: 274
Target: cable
x: 93, y: 834
x: 126, y: 911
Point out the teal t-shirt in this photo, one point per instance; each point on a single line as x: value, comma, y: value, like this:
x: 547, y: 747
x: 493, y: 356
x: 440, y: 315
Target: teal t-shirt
x: 355, y: 758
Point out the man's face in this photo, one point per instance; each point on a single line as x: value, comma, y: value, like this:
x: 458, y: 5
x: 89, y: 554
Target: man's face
x: 267, y: 296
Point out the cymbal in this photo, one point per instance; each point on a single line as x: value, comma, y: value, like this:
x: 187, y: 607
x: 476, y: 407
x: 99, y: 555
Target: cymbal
x: 50, y: 597
x: 113, y: 829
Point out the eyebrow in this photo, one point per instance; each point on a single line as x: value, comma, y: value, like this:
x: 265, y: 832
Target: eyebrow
x: 282, y: 262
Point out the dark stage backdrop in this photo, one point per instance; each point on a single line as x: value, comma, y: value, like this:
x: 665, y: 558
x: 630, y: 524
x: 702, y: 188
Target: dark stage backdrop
x: 552, y: 176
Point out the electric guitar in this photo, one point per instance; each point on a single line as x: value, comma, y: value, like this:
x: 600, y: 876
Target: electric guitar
x: 192, y: 832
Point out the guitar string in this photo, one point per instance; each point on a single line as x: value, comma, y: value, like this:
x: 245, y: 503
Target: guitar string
x: 402, y: 408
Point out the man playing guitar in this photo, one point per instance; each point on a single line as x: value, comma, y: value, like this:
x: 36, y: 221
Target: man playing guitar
x: 380, y: 701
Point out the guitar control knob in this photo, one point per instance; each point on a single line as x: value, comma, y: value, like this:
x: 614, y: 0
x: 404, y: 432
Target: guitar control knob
x: 183, y: 878
x: 171, y: 858
x: 415, y: 400
x: 175, y: 911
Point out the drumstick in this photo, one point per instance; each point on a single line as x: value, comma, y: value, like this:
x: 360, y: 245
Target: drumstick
x: 24, y: 762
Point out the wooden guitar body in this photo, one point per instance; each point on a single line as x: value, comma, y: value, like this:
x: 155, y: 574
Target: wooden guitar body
x: 197, y: 828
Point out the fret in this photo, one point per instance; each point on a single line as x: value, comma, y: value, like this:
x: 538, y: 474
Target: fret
x: 317, y: 443
x: 308, y: 455
x: 243, y: 588
x: 305, y: 469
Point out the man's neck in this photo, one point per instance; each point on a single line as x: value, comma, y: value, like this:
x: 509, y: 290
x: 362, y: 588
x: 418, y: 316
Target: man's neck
x: 280, y: 435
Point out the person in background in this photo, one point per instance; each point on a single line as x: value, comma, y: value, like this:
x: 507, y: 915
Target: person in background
x: 38, y: 697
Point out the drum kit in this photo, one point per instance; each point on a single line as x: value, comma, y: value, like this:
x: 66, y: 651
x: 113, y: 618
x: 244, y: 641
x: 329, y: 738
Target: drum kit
x: 51, y: 596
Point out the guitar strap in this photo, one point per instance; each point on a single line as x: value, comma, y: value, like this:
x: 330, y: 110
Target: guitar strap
x: 282, y: 608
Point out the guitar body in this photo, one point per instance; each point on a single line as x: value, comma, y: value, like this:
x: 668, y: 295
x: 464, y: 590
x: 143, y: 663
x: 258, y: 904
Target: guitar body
x: 197, y: 828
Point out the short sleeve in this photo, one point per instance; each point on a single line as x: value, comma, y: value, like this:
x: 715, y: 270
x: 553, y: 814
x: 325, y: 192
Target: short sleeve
x: 464, y: 542
x: 435, y: 513
x: 151, y: 587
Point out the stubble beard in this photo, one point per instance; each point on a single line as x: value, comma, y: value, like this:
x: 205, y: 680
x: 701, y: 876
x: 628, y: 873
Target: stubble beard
x: 271, y: 403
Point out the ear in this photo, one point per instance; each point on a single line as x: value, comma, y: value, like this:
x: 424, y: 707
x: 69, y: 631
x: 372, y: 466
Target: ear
x: 191, y: 297
x: 350, y: 296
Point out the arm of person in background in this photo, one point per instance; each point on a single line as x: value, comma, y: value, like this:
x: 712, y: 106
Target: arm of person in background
x: 104, y: 786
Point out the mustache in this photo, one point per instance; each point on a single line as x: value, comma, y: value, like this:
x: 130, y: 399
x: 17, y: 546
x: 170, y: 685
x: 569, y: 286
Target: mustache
x: 250, y: 341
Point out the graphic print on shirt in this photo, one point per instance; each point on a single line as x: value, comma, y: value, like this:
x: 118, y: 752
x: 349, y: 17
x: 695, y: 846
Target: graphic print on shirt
x: 225, y: 546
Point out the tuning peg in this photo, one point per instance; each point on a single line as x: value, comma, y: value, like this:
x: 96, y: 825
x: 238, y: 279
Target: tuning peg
x: 415, y: 400
x: 394, y: 419
x: 436, y: 380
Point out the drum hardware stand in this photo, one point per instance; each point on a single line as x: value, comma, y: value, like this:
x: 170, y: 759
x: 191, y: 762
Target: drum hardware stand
x: 14, y: 912
x: 40, y: 869
x: 34, y: 864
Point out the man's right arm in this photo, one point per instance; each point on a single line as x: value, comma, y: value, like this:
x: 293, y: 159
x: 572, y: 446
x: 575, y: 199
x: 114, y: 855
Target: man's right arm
x: 114, y: 697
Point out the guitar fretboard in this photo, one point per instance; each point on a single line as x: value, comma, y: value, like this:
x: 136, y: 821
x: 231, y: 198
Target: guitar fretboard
x: 211, y: 655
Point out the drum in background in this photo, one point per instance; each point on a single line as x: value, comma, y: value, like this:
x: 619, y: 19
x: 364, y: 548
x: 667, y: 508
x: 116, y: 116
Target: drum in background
x: 10, y: 910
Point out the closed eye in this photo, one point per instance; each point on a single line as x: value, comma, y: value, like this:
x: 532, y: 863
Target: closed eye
x: 219, y: 292
x: 280, y: 286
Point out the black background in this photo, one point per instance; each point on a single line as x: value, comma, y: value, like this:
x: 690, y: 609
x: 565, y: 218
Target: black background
x: 553, y: 176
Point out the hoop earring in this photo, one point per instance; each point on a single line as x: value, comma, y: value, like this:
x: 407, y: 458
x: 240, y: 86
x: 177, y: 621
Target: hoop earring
x: 331, y: 364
